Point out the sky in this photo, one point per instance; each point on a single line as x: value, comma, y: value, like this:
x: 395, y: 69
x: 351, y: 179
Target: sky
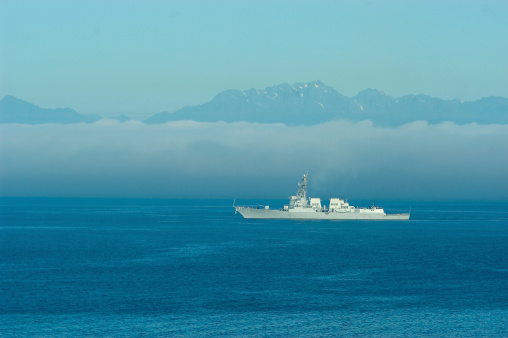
x: 143, y: 57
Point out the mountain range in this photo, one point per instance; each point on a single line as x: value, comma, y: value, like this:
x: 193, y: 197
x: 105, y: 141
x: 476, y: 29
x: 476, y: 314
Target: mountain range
x: 298, y: 104
x: 14, y: 110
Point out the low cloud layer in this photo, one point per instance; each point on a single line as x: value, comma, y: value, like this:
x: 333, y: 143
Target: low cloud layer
x: 245, y: 160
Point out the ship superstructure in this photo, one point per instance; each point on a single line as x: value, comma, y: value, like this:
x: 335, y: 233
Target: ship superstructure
x: 301, y: 207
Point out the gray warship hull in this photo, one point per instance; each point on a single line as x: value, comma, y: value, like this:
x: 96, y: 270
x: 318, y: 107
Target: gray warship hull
x: 249, y: 212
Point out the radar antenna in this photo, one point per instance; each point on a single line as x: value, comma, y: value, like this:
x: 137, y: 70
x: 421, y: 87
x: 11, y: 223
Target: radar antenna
x: 302, y: 192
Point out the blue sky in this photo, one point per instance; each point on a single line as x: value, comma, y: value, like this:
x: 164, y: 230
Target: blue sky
x: 143, y: 57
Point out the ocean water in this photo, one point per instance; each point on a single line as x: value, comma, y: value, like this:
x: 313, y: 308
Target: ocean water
x: 116, y: 267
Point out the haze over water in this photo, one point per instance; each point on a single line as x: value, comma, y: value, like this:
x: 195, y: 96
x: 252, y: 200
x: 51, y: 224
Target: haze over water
x: 141, y: 58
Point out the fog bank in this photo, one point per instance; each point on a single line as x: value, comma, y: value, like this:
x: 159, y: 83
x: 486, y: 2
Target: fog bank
x: 246, y: 160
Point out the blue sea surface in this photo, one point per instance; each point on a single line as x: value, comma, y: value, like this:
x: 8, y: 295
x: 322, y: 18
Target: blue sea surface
x: 122, y: 267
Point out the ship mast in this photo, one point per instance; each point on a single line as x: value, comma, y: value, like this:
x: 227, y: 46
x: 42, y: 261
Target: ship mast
x: 302, y: 192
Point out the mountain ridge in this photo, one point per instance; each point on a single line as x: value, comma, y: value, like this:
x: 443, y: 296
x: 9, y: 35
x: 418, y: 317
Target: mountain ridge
x: 14, y: 110
x: 298, y: 104
x: 314, y: 102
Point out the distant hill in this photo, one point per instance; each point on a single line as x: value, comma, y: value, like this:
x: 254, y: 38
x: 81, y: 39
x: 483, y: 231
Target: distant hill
x: 314, y: 102
x: 299, y: 104
x: 14, y: 110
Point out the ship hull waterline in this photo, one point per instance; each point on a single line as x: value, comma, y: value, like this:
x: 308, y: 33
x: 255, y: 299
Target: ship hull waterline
x: 254, y: 213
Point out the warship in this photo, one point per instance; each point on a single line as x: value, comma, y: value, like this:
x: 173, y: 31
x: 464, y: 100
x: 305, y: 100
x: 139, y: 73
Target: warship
x: 301, y: 207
